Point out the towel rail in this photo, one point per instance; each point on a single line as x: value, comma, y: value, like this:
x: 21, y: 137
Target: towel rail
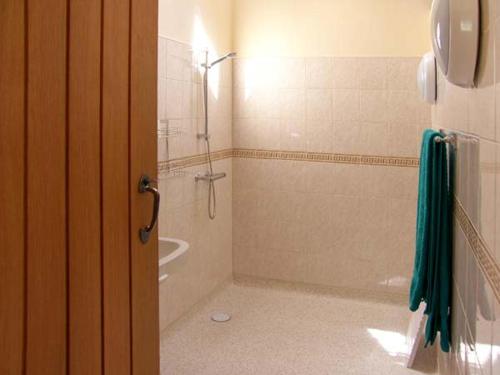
x: 450, y: 139
x: 451, y: 136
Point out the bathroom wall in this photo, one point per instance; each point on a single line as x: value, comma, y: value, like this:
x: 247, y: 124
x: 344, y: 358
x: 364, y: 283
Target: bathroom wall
x: 333, y: 199
x: 202, y: 23
x: 325, y: 147
x: 331, y: 27
x: 476, y: 307
x: 327, y: 89
x: 183, y: 211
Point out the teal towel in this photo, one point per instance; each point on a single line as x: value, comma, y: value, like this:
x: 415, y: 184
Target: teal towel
x: 431, y: 282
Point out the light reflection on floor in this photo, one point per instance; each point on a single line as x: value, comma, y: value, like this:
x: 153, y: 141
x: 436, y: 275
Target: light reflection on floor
x: 394, y: 343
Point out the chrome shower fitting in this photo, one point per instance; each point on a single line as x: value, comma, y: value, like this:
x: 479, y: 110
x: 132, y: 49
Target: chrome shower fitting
x: 207, y: 67
x: 219, y: 60
x: 210, y: 176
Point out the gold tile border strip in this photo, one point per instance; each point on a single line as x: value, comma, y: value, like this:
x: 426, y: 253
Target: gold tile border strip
x: 323, y: 157
x: 318, y: 157
x: 484, y: 257
x: 192, y: 161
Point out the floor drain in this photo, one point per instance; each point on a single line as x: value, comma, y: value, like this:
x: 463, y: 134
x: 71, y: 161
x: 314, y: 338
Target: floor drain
x: 221, y: 317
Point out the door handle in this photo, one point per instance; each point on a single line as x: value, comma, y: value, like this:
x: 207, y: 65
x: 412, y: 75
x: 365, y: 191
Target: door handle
x: 145, y: 187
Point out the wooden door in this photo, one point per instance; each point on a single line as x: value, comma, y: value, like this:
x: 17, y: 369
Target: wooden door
x: 78, y: 290
x: 143, y: 159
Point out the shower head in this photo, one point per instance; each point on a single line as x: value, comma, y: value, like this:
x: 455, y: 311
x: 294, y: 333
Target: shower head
x: 221, y: 59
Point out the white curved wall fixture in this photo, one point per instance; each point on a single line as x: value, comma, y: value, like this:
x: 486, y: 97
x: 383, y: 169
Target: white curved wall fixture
x: 427, y: 78
x: 455, y: 27
x: 170, y: 250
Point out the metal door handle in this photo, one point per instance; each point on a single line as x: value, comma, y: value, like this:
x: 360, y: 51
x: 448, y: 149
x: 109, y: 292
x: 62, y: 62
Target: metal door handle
x: 145, y: 187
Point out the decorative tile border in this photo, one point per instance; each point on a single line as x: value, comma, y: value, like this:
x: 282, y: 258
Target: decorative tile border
x: 191, y: 161
x: 483, y: 255
x: 318, y: 157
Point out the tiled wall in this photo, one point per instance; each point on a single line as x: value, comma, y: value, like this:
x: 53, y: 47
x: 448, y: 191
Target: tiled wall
x: 331, y: 224
x: 343, y: 105
x: 183, y: 211
x: 334, y: 224
x: 180, y: 101
x: 476, y: 322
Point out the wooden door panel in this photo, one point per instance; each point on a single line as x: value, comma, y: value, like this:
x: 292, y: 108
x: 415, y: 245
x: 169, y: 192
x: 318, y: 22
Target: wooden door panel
x: 84, y: 187
x: 12, y: 193
x: 79, y: 291
x: 116, y: 193
x: 46, y: 346
x: 143, y: 160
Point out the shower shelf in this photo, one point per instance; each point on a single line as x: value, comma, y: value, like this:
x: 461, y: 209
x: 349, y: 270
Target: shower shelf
x: 172, y: 132
x: 165, y: 131
x: 166, y: 174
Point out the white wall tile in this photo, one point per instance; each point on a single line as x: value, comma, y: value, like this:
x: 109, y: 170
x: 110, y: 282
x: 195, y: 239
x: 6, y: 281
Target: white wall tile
x: 402, y: 107
x: 291, y: 73
x: 162, y: 99
x: 319, y: 104
x: 162, y: 58
x: 402, y: 73
x: 319, y: 73
x: 373, y: 105
x: 319, y: 135
x: 293, y: 104
x: 345, y: 73
x: 372, y: 73
x: 175, y: 96
x: 346, y: 105
x: 373, y: 138
x: 293, y: 135
x: 346, y: 137
x: 404, y: 139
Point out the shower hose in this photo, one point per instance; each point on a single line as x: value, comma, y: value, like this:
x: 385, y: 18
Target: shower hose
x: 212, y: 198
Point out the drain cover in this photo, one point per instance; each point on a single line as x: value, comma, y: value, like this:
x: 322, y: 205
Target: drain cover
x: 221, y: 317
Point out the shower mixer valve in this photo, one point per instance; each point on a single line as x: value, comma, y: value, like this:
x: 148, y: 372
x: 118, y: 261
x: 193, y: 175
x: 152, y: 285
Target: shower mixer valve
x: 210, y: 176
x: 203, y: 136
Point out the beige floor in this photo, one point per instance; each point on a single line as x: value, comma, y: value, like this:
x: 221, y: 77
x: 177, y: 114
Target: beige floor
x: 284, y: 331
